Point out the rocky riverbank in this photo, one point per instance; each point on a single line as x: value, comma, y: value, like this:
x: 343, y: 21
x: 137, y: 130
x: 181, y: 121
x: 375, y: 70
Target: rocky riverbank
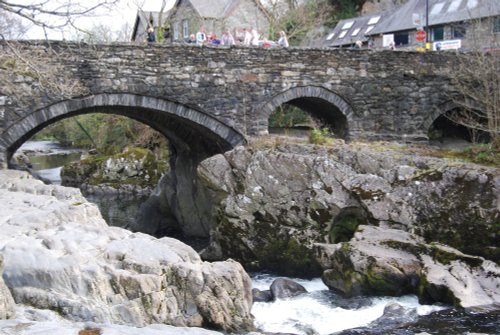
x: 60, y: 255
x: 135, y: 171
x: 277, y: 203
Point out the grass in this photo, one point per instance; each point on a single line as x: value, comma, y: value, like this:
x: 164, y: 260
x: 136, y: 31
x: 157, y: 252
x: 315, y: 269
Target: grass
x: 483, y: 154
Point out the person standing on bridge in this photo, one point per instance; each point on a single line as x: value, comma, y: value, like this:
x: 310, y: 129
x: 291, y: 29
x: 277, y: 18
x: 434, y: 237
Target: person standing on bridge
x: 247, y: 37
x: 283, y: 40
x: 201, y: 37
x: 227, y: 38
x: 255, y: 37
x: 151, y: 35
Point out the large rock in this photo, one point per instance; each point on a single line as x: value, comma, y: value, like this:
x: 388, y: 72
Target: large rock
x: 386, y: 261
x: 283, y: 288
x: 60, y: 255
x: 134, y: 171
x: 30, y: 321
x: 272, y: 203
x: 7, y: 304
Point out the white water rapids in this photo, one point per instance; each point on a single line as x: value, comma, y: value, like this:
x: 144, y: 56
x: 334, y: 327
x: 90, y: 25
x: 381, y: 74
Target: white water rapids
x: 316, y: 313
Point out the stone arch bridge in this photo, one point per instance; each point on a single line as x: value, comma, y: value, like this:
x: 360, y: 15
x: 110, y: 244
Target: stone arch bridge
x: 207, y: 100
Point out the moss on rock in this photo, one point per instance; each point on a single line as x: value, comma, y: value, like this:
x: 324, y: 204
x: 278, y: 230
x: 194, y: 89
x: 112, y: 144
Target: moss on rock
x: 134, y: 166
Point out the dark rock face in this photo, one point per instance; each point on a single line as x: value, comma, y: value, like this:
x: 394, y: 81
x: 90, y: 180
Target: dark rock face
x: 282, y: 288
x: 273, y: 204
x: 395, y: 316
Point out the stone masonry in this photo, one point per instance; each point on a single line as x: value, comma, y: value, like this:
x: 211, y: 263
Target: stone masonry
x: 208, y: 99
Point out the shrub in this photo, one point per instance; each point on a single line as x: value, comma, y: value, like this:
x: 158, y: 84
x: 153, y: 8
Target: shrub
x: 321, y: 136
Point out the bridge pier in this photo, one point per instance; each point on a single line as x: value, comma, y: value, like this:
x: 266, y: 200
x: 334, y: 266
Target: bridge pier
x: 180, y: 205
x: 3, y: 159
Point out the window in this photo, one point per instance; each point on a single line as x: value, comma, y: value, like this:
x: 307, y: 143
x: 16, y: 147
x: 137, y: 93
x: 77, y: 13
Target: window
x: 330, y: 36
x: 342, y: 33
x: 185, y: 29
x: 374, y: 20
x: 458, y: 31
x: 496, y: 25
x: 369, y: 29
x: 454, y: 6
x: 348, y: 25
x: 355, y: 32
x: 471, y: 4
x: 176, y: 31
x: 438, y: 33
x: 437, y: 8
x: 401, y: 38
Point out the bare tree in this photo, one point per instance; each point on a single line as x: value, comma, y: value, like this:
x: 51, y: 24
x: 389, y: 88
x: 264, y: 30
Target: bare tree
x: 53, y: 15
x: 102, y: 33
x: 11, y: 26
x: 297, y: 18
x: 477, y: 83
x: 37, y: 66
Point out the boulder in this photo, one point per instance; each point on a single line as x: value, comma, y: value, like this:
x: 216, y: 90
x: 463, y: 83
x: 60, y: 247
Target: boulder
x: 283, y: 288
x: 7, y: 304
x: 30, y: 321
x: 134, y: 171
x: 59, y: 254
x: 385, y: 261
x: 393, y: 318
x: 261, y: 296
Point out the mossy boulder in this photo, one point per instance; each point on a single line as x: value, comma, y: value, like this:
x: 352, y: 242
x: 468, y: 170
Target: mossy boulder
x: 135, y: 167
x: 384, y: 261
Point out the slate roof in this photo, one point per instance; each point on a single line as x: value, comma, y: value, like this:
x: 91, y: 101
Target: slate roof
x: 215, y: 8
x: 210, y: 8
x: 348, y: 31
x: 440, y: 12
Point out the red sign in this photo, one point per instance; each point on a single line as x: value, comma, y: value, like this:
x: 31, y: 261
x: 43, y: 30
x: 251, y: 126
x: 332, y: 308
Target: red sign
x: 420, y: 35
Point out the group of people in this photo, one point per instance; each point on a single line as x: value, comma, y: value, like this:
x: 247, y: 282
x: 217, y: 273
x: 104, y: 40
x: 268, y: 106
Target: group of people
x: 246, y: 37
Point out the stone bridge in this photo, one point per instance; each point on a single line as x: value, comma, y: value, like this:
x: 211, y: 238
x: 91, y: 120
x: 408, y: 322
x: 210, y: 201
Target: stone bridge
x: 207, y: 100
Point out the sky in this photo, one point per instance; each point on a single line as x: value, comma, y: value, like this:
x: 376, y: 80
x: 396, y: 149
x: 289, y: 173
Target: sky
x: 124, y: 12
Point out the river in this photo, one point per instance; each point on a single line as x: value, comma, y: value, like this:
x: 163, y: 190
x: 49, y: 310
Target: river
x: 318, y: 312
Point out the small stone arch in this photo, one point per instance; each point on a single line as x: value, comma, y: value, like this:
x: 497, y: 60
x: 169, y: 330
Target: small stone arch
x: 438, y: 127
x: 303, y: 93
x: 437, y: 112
x: 130, y: 105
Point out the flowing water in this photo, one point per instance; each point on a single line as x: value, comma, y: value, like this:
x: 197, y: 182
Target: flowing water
x: 318, y: 312
x: 322, y: 312
x: 47, y: 159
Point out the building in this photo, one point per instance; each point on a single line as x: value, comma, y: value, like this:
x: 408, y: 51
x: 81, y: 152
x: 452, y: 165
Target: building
x: 452, y: 24
x: 187, y: 16
x: 145, y: 19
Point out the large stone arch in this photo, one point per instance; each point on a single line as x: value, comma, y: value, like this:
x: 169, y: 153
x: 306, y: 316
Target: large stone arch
x: 149, y: 110
x: 308, y: 95
x: 193, y: 136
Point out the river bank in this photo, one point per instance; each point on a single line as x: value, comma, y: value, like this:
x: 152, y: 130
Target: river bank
x: 27, y: 205
x: 306, y: 314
